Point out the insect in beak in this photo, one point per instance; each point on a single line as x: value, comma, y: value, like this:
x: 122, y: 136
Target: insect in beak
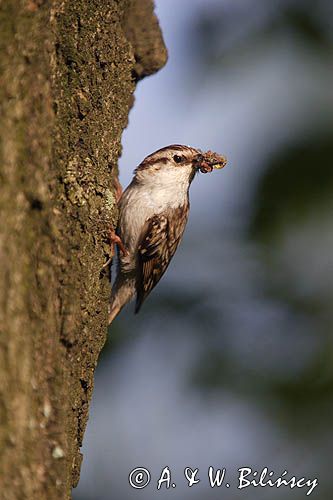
x: 207, y: 162
x: 218, y: 166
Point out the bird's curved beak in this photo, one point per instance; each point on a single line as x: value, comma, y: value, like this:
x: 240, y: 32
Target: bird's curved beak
x: 209, y: 161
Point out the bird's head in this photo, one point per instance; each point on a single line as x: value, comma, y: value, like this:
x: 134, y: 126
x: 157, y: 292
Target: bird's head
x: 177, y: 164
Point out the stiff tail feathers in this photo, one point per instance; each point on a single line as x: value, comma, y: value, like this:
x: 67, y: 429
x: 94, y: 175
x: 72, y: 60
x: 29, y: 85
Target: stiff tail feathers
x: 122, y: 293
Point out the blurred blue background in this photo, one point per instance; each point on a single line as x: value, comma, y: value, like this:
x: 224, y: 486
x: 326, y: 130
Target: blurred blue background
x: 230, y: 362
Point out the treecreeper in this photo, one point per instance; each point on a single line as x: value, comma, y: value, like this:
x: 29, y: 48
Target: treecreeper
x: 153, y: 212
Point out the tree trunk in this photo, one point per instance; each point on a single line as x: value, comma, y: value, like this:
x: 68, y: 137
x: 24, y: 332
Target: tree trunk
x: 68, y: 71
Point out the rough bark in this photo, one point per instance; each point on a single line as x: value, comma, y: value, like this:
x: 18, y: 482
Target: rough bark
x: 68, y: 72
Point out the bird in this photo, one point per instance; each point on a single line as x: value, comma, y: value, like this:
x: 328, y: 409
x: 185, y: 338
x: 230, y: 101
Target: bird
x: 153, y: 212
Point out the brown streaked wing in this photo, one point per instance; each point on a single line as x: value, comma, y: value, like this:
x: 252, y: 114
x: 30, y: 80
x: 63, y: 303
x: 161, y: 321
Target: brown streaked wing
x: 157, y: 246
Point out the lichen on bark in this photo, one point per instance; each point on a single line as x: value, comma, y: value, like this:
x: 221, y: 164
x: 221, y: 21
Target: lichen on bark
x: 68, y: 73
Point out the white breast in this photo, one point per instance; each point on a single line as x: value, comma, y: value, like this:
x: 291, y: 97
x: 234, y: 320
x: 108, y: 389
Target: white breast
x: 141, y: 201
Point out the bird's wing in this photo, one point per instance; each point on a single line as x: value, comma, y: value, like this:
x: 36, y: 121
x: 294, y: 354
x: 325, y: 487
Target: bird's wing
x: 158, y: 243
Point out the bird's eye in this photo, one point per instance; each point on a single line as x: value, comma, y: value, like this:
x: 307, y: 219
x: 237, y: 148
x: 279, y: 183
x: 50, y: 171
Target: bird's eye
x: 178, y: 159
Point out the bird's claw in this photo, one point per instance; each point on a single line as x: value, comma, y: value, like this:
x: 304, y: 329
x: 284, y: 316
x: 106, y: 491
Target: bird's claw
x: 116, y: 240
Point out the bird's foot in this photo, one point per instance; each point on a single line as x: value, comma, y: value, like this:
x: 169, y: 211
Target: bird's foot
x: 115, y: 240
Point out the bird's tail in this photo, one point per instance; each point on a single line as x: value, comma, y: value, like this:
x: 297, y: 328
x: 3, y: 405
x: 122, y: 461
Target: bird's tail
x: 122, y: 292
x: 114, y: 310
